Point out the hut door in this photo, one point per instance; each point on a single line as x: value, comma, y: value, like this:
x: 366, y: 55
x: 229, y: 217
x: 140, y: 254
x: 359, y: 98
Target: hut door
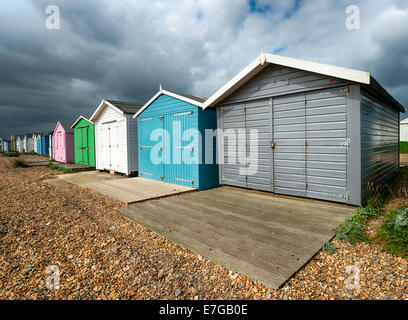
x: 289, y: 145
x: 39, y: 145
x: 327, y: 144
x: 248, y: 155
x: 58, y: 146
x: 233, y: 125
x: 180, y: 152
x: 103, y: 146
x: 259, y: 154
x: 151, y: 145
x: 84, y: 146
x: 113, y: 146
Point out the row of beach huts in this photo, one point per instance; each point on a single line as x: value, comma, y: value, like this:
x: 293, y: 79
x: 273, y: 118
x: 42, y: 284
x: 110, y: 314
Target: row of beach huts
x: 323, y: 132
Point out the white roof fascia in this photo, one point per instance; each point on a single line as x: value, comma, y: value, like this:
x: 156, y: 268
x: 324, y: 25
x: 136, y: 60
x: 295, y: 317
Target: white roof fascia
x: 104, y: 102
x: 170, y: 94
x: 148, y: 103
x: 326, y: 69
x: 80, y: 117
x: 265, y: 59
x: 247, y: 73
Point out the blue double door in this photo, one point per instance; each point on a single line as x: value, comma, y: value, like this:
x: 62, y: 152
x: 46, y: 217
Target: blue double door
x: 166, y: 148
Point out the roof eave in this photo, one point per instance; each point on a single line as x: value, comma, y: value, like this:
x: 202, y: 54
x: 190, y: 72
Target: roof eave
x: 265, y: 59
x: 170, y: 94
x: 381, y: 94
x: 247, y: 73
x: 99, y: 109
x: 80, y: 117
x: 320, y: 68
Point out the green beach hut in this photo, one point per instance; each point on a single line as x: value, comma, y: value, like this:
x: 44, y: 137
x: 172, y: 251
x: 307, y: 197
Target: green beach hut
x: 84, y: 142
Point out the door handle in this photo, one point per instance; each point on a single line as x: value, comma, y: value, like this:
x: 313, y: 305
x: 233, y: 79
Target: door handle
x: 273, y: 144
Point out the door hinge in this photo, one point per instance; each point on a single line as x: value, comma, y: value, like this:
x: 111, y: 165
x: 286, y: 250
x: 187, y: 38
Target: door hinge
x: 184, y: 147
x: 347, y: 143
x: 185, y: 180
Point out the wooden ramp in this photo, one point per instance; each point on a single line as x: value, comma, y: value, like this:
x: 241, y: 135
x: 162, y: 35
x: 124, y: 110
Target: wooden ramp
x: 73, y: 166
x: 265, y: 237
x: 134, y: 190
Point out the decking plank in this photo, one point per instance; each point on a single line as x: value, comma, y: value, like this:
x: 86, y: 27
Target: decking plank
x: 257, y: 231
x: 237, y: 264
x: 264, y: 237
x: 281, y: 257
x: 138, y: 189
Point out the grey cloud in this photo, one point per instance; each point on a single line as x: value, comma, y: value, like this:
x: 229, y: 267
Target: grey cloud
x: 125, y: 49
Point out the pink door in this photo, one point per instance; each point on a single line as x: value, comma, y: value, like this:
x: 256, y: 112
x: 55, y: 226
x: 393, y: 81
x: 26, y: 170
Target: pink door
x: 59, y: 147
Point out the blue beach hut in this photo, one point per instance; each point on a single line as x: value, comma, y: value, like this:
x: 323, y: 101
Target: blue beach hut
x: 179, y: 157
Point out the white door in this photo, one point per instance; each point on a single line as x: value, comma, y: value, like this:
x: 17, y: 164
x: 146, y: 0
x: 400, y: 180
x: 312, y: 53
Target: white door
x: 113, y: 146
x: 103, y: 146
x: 109, y: 146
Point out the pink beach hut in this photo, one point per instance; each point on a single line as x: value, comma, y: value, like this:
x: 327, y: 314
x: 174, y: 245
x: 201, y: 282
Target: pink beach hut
x: 64, y: 143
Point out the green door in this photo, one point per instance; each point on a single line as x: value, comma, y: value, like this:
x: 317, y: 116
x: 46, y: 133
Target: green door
x: 78, y: 145
x: 85, y: 146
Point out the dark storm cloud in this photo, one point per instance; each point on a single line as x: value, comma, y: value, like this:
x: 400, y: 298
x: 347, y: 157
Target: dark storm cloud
x: 125, y: 49
x: 57, y: 75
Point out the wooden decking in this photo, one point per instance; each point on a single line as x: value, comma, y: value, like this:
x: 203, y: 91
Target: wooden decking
x: 73, y: 166
x: 134, y: 190
x: 82, y: 178
x: 43, y: 161
x: 264, y: 237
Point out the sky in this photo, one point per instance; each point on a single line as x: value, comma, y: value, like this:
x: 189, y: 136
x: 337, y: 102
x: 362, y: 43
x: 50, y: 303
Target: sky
x: 123, y: 50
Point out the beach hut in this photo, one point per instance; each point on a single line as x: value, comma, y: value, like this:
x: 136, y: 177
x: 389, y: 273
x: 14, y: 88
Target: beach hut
x: 116, y: 136
x: 84, y: 142
x: 12, y: 143
x: 320, y: 131
x: 19, y: 143
x: 180, y: 156
x: 28, y: 142
x: 35, y: 142
x: 51, y: 146
x: 45, y: 143
x: 63, y: 143
x: 6, y: 145
x: 39, y: 149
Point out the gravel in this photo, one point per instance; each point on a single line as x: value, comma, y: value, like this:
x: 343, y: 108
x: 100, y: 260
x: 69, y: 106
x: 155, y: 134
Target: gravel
x: 101, y: 255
